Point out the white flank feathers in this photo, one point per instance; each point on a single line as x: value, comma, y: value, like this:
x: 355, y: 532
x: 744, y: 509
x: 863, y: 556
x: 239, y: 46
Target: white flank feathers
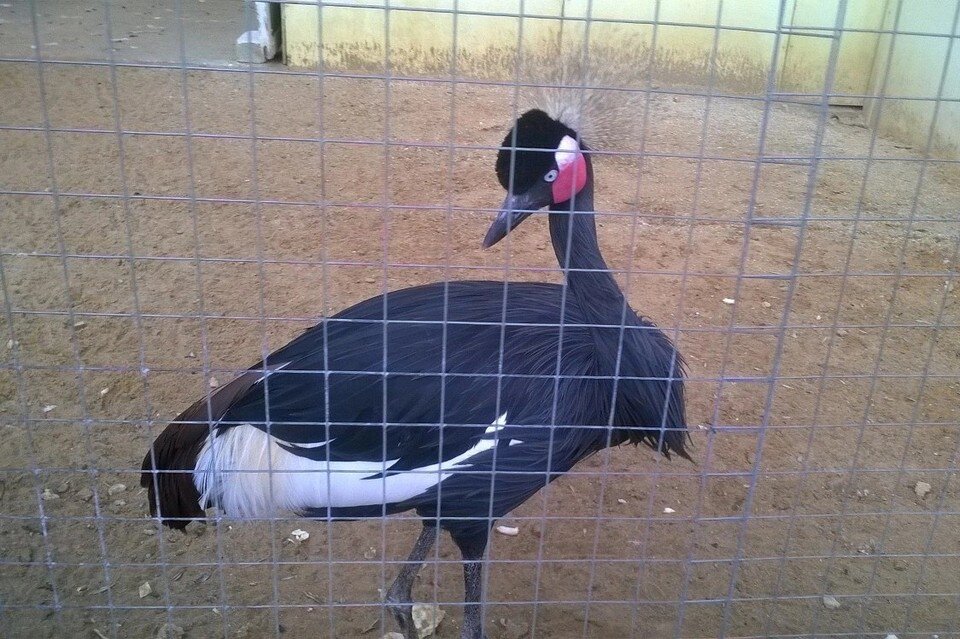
x: 248, y: 474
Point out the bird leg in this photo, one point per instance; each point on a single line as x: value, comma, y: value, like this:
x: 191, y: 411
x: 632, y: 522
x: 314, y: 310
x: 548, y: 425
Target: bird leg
x: 399, y: 600
x: 472, y: 546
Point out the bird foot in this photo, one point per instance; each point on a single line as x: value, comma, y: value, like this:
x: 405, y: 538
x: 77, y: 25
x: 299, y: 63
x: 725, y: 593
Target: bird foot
x: 402, y: 612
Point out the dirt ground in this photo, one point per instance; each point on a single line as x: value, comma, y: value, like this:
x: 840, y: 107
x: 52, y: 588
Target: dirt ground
x: 146, y: 31
x: 818, y: 399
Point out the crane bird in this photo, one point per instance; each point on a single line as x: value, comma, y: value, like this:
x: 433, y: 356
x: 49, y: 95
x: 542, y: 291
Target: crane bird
x: 459, y: 400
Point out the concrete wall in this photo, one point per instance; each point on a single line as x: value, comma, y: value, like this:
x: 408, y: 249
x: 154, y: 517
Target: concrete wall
x: 422, y: 42
x: 916, y: 64
x: 677, y: 51
x: 807, y: 55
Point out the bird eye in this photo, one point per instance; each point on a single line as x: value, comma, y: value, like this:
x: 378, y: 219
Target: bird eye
x: 551, y: 175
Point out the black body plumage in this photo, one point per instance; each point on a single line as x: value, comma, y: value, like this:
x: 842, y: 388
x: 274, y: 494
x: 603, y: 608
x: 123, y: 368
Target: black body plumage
x: 466, y: 398
x: 560, y: 414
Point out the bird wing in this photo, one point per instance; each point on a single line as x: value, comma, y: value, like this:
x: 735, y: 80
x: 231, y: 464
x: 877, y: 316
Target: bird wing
x: 351, y: 389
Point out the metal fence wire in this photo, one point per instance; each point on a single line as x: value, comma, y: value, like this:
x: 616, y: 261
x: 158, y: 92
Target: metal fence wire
x: 777, y: 187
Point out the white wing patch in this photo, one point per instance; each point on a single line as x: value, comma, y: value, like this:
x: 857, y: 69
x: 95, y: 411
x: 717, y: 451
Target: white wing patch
x: 270, y: 371
x: 566, y: 152
x: 310, y: 445
x: 249, y: 474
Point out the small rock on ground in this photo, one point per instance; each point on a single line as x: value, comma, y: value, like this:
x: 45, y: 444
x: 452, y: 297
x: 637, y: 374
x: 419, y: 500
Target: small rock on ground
x: 170, y: 631
x: 426, y: 618
x: 513, y: 629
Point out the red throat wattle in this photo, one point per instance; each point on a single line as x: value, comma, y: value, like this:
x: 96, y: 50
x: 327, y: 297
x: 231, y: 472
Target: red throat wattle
x: 572, y: 178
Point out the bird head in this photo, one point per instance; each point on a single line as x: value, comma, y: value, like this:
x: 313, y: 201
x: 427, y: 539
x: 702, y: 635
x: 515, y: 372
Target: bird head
x: 541, y: 164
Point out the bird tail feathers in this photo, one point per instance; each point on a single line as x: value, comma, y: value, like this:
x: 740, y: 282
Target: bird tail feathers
x: 169, y: 466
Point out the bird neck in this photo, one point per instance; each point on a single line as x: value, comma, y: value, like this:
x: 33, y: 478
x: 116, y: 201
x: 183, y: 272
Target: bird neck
x: 573, y: 231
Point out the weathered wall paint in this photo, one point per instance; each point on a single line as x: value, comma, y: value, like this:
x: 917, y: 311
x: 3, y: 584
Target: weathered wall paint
x: 916, y: 65
x: 807, y: 56
x: 422, y: 42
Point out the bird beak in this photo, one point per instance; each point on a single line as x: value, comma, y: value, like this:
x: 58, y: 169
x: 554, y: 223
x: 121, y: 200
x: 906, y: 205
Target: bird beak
x: 515, y: 209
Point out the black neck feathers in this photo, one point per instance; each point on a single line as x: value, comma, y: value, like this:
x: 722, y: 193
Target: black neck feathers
x: 573, y: 232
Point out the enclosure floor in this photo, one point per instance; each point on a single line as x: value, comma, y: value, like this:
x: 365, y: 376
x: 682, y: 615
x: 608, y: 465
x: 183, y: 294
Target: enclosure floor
x: 824, y: 423
x: 140, y: 30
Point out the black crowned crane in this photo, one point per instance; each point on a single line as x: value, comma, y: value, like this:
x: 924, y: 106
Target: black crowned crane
x: 463, y: 427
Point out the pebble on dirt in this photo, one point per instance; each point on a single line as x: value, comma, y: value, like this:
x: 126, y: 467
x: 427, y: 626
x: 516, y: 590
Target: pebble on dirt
x: 426, y: 618
x: 509, y: 531
x: 922, y: 489
x: 170, y: 631
x: 299, y: 535
x: 830, y: 602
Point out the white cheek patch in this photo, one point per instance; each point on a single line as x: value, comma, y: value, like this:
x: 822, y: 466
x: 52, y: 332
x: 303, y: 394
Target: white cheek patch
x: 567, y: 152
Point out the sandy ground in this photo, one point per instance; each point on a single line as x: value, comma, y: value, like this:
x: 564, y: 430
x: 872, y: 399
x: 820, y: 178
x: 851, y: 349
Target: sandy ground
x: 812, y: 420
x: 132, y: 31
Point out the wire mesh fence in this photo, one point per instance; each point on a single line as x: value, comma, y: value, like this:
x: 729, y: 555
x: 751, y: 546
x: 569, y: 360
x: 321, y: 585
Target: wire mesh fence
x: 777, y: 188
